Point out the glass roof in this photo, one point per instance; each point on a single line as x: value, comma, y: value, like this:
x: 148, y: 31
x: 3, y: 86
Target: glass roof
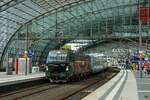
x: 46, y: 19
x: 15, y: 13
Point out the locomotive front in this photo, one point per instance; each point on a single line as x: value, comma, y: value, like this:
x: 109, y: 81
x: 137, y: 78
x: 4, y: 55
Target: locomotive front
x: 57, y: 66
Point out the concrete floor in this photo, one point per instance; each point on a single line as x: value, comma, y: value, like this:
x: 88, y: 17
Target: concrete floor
x: 143, y: 85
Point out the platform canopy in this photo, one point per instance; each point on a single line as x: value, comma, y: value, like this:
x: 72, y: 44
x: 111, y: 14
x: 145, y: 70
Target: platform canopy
x: 40, y: 25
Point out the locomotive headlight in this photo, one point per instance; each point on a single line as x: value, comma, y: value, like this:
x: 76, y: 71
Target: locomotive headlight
x: 46, y: 68
x: 67, y: 68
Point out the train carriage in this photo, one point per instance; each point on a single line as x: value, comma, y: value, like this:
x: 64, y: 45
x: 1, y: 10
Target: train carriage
x: 64, y: 65
x: 98, y: 62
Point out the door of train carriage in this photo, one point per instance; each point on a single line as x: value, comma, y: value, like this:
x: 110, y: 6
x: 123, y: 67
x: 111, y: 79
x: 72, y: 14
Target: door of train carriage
x: 87, y: 66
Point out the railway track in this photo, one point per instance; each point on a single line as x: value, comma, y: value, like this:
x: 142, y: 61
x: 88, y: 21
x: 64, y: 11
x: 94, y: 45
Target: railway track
x: 61, y: 91
x: 87, y: 89
x: 28, y: 91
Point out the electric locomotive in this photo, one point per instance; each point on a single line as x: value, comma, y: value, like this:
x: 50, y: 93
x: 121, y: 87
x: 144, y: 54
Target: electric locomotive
x: 66, y: 65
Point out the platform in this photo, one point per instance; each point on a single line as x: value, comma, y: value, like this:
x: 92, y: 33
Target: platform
x: 143, y: 85
x: 122, y: 87
x: 14, y: 79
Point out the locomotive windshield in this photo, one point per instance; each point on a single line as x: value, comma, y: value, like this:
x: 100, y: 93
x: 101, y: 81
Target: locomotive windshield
x: 57, y: 56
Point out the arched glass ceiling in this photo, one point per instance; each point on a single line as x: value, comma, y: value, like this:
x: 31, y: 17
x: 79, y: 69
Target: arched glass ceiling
x: 117, y: 48
x: 15, y: 13
x: 45, y: 19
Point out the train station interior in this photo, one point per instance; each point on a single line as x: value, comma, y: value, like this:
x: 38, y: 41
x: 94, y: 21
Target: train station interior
x: 74, y: 50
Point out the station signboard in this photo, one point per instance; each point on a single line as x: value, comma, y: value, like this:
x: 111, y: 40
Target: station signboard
x: 30, y: 53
